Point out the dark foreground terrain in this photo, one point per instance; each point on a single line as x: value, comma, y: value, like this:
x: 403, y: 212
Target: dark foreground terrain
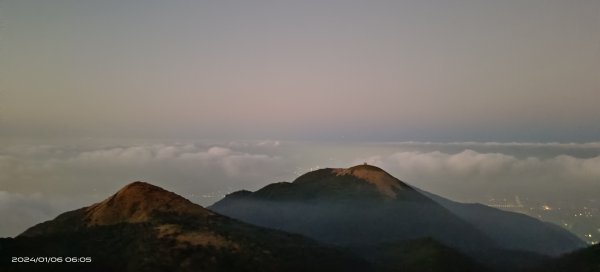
x: 355, y: 219
x: 145, y: 228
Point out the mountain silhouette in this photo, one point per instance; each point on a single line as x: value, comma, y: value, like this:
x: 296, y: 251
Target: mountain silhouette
x: 363, y: 206
x: 335, y: 219
x: 137, y: 202
x: 145, y: 228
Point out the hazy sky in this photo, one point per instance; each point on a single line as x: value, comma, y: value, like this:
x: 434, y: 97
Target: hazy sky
x: 359, y: 70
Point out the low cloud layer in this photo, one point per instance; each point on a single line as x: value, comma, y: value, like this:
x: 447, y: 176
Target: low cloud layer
x: 480, y: 174
x: 37, y: 182
x: 51, y: 168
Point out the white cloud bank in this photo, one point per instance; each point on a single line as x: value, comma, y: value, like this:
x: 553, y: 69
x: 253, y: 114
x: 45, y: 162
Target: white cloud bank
x: 38, y: 182
x: 471, y: 172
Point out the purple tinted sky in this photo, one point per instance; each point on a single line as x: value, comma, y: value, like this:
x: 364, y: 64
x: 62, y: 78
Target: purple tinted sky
x: 356, y: 70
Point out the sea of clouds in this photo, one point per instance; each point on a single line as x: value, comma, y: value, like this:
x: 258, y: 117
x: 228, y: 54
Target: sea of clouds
x: 39, y: 181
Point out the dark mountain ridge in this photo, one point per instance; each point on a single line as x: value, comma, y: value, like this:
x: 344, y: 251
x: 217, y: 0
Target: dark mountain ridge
x: 364, y: 206
x: 358, y: 205
x: 145, y: 228
x: 362, y: 218
x: 137, y: 202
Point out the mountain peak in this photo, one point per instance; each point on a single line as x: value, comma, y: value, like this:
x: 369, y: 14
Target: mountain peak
x: 385, y: 183
x: 139, y: 202
x: 138, y: 187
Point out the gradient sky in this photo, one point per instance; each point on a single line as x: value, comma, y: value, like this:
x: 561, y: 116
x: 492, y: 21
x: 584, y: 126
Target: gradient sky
x: 325, y: 70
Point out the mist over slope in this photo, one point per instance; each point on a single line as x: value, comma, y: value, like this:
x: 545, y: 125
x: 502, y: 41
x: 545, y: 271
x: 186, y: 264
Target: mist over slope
x: 362, y: 218
x: 512, y: 230
x: 358, y: 205
x: 364, y: 207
